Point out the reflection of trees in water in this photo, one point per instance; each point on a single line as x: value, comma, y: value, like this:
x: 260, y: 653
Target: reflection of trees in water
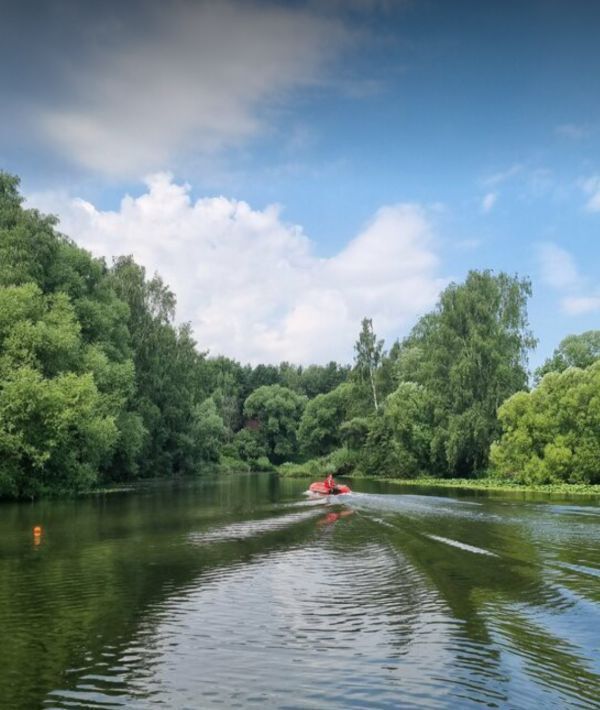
x: 104, y: 569
x: 553, y: 661
x: 487, y: 593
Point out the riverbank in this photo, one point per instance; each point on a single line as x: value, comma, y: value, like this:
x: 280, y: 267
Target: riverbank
x: 311, y: 470
x: 493, y: 484
x: 469, y: 484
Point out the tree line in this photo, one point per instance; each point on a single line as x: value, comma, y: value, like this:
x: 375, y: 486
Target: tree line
x: 98, y: 384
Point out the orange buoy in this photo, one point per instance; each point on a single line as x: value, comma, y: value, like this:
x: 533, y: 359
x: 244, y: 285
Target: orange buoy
x: 37, y: 534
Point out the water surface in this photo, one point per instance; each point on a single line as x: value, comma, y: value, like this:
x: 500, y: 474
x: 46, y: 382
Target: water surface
x: 241, y: 592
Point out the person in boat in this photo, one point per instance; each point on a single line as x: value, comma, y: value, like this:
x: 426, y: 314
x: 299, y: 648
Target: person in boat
x: 330, y: 483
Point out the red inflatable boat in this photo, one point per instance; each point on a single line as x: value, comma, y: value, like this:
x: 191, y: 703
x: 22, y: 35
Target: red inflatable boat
x: 323, y: 489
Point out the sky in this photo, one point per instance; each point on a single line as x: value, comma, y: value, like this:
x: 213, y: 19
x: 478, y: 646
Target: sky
x: 292, y: 167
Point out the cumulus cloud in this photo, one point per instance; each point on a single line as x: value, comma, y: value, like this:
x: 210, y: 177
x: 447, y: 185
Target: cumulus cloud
x: 591, y: 186
x: 559, y: 271
x: 194, y: 80
x: 488, y: 201
x: 251, y: 284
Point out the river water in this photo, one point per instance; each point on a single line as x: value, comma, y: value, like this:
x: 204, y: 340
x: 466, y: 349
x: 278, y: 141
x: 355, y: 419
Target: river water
x: 242, y: 592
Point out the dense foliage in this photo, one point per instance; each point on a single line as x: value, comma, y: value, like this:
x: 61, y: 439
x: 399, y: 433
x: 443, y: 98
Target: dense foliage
x: 276, y: 410
x: 469, y: 355
x: 574, y: 351
x: 98, y: 384
x: 552, y: 433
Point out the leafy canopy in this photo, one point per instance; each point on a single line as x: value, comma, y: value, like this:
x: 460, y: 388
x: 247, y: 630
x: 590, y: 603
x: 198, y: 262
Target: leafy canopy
x: 551, y: 434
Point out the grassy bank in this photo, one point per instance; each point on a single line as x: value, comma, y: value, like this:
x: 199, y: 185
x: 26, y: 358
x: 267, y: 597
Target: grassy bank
x: 468, y: 484
x: 316, y: 469
x: 493, y: 484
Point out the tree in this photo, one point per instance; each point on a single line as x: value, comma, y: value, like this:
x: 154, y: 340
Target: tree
x: 28, y: 243
x: 551, y: 434
x: 354, y: 432
x: 470, y: 354
x: 168, y: 370
x: 209, y: 431
x: 227, y: 383
x: 409, y: 414
x: 574, y: 351
x: 278, y: 411
x: 52, y: 433
x: 319, y: 431
x: 264, y: 375
x: 368, y: 356
x: 249, y: 446
x: 387, y: 374
x: 320, y: 379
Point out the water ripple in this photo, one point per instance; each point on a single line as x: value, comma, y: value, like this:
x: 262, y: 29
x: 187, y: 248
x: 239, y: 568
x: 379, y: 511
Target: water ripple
x: 378, y: 602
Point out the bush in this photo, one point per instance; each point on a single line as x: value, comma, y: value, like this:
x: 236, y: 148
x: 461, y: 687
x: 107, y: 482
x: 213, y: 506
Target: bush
x: 232, y: 465
x: 341, y: 462
x: 262, y: 463
x: 551, y: 434
x: 248, y: 445
x: 312, y: 468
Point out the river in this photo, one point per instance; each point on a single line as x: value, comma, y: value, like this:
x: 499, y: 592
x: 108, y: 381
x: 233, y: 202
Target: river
x: 242, y: 592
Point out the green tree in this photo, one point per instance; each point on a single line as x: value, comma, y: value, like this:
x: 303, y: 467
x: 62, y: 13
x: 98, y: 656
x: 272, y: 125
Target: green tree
x: 574, y: 351
x: 290, y: 376
x: 470, y: 354
x: 52, y: 435
x: 168, y: 371
x: 368, y: 358
x: 277, y: 411
x: 320, y: 379
x: 551, y: 434
x: 398, y: 438
x: 354, y: 432
x: 65, y: 315
x: 387, y: 374
x: 56, y: 428
x: 264, y: 375
x: 28, y: 243
x: 249, y: 445
x: 409, y: 413
x: 319, y: 431
x: 209, y: 431
x: 227, y: 383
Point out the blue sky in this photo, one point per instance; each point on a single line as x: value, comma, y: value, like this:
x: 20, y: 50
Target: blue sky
x: 292, y: 167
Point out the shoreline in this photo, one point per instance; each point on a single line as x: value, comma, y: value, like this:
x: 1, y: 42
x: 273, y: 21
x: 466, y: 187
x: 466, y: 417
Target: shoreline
x: 490, y: 484
x: 486, y: 483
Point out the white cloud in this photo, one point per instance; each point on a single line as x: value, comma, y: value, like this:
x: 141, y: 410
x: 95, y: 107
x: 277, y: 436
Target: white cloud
x: 251, y: 284
x: 591, y: 186
x: 557, y: 267
x: 192, y: 82
x: 523, y: 182
x: 503, y: 175
x: 559, y: 270
x: 580, y: 305
x: 488, y: 202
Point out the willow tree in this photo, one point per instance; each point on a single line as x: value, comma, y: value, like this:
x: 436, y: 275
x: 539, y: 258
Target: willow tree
x: 550, y: 435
